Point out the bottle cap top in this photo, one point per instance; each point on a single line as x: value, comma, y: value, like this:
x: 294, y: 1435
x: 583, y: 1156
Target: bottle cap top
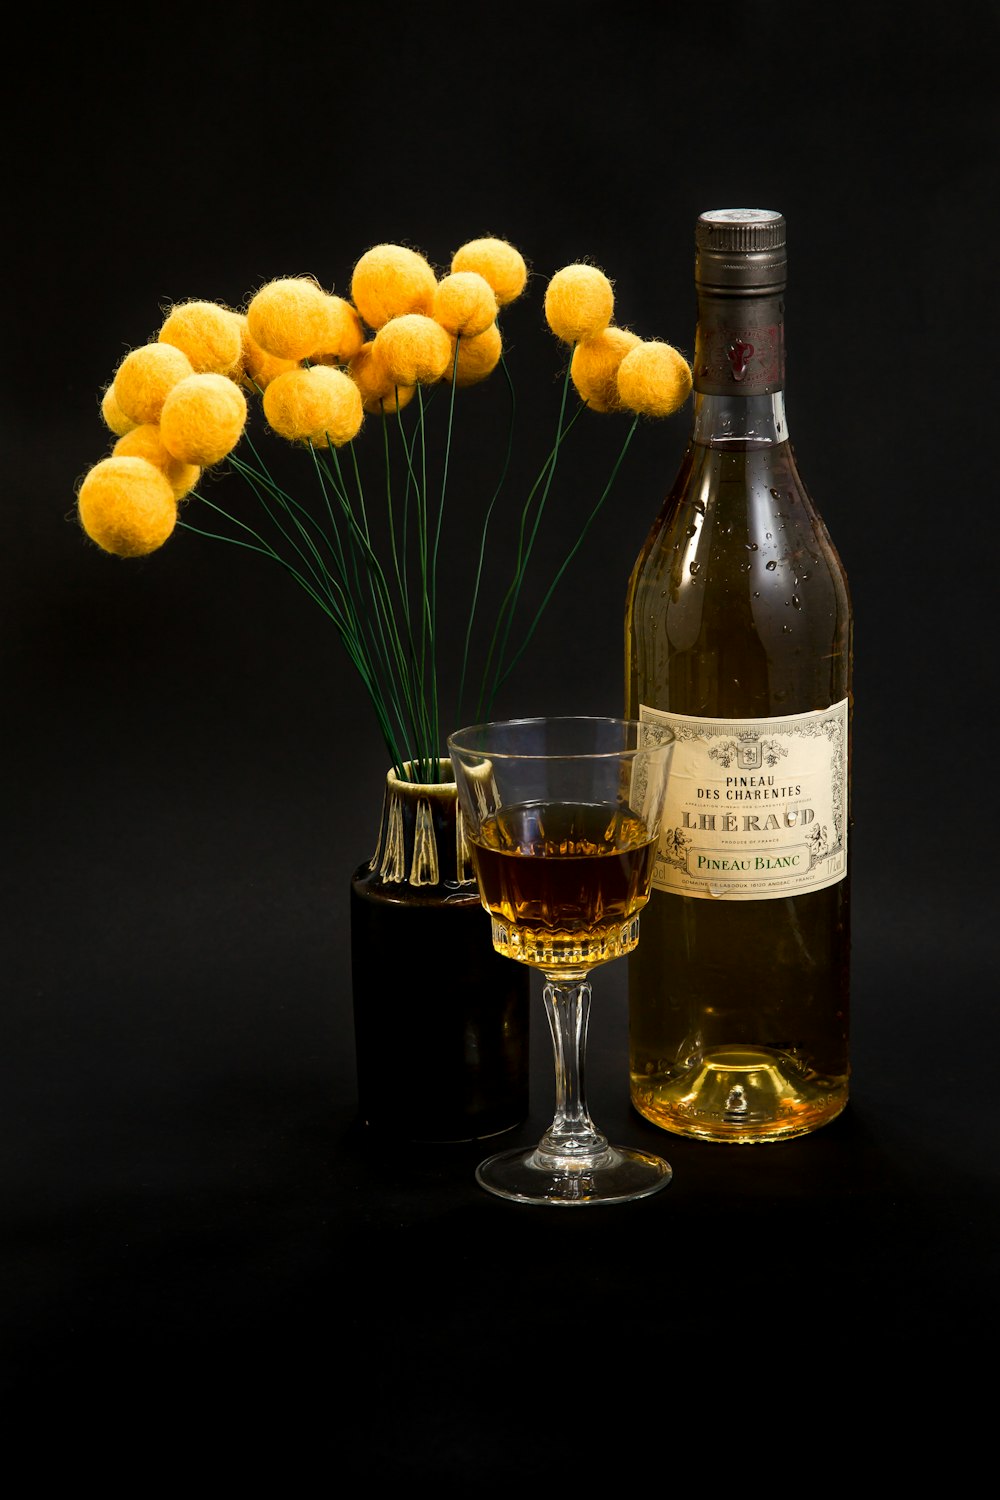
x: 740, y: 250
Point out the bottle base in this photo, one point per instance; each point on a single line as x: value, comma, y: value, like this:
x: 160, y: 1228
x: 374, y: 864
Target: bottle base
x: 740, y: 1095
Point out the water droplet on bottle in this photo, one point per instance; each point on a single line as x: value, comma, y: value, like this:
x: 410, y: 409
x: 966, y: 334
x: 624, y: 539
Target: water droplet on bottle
x: 776, y: 494
x: 756, y: 593
x: 771, y: 565
x: 786, y: 630
x: 699, y: 506
x: 744, y: 567
x: 751, y: 546
x: 791, y: 817
x: 695, y: 567
x: 767, y: 536
x: 796, y: 601
x: 690, y: 531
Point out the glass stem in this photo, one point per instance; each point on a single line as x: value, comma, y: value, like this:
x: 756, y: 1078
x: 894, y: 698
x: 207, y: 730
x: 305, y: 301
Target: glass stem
x: 572, y: 1132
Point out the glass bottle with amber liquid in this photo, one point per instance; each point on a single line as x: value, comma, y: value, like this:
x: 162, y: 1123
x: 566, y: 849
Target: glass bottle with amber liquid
x: 738, y: 635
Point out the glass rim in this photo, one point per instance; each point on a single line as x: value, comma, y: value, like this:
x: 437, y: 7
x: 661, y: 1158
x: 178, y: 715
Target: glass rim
x: 454, y: 739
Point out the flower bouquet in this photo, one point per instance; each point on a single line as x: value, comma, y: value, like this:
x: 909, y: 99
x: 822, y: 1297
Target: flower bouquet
x: 326, y: 370
x: 373, y: 384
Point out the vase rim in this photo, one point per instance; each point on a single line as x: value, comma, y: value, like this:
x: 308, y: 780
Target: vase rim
x: 426, y: 788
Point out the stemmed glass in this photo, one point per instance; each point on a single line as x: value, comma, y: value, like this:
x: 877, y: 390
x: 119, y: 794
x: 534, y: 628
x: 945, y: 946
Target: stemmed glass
x: 562, y: 820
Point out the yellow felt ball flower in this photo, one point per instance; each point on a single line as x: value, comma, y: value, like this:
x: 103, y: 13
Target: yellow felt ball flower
x: 389, y: 281
x: 594, y: 367
x: 579, y: 302
x: 378, y: 392
x: 209, y: 334
x: 145, y: 378
x: 414, y: 349
x: 203, y: 419
x: 113, y: 415
x: 126, y: 506
x: 654, y: 379
x: 319, y: 405
x: 497, y: 262
x: 146, y: 442
x: 464, y: 303
x: 258, y: 368
x: 288, y: 317
x: 477, y: 357
x: 343, y: 336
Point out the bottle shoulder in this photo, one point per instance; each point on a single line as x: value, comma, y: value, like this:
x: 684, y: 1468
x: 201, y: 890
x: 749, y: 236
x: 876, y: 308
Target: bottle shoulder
x: 739, y: 596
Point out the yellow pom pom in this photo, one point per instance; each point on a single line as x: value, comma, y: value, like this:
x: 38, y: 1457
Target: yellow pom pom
x: 288, y: 317
x: 319, y: 405
x: 258, y: 367
x: 654, y: 379
x: 145, y: 378
x: 579, y: 302
x: 203, y: 419
x: 344, y: 334
x: 113, y: 415
x: 126, y: 506
x: 389, y: 281
x: 146, y: 442
x: 378, y: 393
x: 207, y: 333
x: 594, y: 367
x: 464, y: 303
x: 498, y: 263
x: 477, y: 357
x: 414, y: 349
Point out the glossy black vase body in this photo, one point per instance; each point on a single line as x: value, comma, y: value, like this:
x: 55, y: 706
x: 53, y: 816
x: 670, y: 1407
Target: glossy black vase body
x: 441, y: 1020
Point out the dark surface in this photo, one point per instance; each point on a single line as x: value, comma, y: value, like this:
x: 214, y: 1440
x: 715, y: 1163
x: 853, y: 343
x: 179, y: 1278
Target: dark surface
x: 195, y: 1236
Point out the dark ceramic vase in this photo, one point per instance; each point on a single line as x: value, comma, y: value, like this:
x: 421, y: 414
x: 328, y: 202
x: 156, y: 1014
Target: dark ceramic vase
x: 441, y: 1020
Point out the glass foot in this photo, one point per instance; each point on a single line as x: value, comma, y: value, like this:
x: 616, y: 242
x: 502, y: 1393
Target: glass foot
x: 617, y: 1175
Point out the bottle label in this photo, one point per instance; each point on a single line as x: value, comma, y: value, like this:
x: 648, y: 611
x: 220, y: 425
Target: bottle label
x: 756, y: 808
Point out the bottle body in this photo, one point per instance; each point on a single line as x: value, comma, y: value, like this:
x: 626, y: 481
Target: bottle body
x: 739, y: 634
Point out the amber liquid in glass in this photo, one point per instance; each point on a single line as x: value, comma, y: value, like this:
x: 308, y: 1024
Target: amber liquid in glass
x: 564, y: 883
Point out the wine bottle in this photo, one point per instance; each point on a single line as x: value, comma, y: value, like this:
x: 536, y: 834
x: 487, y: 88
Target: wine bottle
x: 739, y: 635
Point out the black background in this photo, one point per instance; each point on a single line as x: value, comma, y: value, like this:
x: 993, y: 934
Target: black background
x: 194, y: 1234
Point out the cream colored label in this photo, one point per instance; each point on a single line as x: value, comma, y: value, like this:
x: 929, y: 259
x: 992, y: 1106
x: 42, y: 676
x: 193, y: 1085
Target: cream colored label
x: 755, y: 808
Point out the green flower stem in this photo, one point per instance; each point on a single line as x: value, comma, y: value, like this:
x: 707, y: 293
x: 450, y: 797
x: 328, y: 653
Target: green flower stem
x: 570, y: 555
x: 477, y: 581
x: 505, y: 616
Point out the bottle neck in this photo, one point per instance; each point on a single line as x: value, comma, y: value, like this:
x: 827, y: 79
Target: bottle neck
x: 739, y: 369
x: 740, y: 420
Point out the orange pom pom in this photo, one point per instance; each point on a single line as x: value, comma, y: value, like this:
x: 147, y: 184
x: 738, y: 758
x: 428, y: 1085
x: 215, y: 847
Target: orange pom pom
x: 113, y: 415
x: 497, y: 262
x: 654, y: 379
x: 344, y: 334
x: 579, y: 301
x: 464, y: 303
x: 414, y: 349
x: 258, y: 367
x: 390, y: 281
x: 319, y: 405
x: 126, y: 506
x: 378, y: 393
x: 288, y: 317
x: 208, y: 334
x: 203, y: 419
x: 477, y: 357
x: 146, y: 442
x: 145, y: 378
x: 594, y: 367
